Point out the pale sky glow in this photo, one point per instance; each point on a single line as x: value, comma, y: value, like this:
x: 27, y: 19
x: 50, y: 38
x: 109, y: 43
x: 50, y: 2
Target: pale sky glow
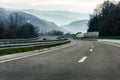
x: 84, y: 6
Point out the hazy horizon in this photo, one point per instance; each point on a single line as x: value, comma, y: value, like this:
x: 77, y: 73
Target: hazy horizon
x: 53, y: 5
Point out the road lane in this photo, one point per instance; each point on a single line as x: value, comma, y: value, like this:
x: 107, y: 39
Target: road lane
x: 63, y: 64
x: 104, y: 63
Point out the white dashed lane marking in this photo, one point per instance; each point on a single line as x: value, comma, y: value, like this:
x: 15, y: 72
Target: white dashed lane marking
x: 91, y: 50
x: 82, y: 59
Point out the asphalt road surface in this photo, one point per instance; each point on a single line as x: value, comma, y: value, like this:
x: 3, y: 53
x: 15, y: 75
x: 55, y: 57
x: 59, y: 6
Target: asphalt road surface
x: 86, y: 60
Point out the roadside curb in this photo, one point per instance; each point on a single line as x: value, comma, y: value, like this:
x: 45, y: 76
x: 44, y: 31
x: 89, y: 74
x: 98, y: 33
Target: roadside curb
x: 111, y: 42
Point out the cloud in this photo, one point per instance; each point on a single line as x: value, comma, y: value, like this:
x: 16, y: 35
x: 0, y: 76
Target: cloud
x: 85, y: 6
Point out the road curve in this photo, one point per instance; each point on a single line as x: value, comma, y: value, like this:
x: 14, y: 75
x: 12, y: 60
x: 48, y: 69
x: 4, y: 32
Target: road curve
x: 87, y: 60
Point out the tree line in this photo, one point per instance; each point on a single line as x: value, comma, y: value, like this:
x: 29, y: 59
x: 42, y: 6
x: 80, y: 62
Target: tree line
x: 106, y: 19
x: 55, y: 32
x: 17, y: 27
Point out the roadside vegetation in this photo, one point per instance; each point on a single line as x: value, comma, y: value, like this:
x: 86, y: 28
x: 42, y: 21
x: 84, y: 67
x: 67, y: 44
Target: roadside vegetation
x: 106, y: 20
x: 26, y: 49
x: 55, y: 32
x: 109, y: 37
x: 17, y: 28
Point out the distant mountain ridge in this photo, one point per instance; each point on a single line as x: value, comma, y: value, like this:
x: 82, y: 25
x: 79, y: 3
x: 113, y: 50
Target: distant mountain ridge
x: 59, y: 17
x: 43, y: 25
x: 77, y: 26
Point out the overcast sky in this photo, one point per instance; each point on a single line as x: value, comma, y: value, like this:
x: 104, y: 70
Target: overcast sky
x: 83, y: 6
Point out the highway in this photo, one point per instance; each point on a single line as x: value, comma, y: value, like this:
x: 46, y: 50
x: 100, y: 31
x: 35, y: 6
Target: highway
x: 86, y: 60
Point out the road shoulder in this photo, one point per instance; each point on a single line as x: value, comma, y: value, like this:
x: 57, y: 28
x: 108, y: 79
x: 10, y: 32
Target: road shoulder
x: 11, y: 57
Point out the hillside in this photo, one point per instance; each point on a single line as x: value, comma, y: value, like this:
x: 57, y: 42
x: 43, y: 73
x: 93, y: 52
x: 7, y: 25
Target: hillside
x: 59, y: 17
x: 43, y: 25
x: 77, y: 26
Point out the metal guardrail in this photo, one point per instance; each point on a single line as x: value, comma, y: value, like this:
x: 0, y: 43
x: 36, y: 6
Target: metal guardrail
x: 25, y: 41
x: 29, y: 43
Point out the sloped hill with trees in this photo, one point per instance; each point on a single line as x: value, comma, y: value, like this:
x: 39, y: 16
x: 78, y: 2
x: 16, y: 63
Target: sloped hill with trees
x: 106, y: 19
x: 17, y: 28
x: 16, y: 24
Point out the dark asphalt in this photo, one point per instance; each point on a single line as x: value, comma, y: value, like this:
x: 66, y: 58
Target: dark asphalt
x: 103, y: 63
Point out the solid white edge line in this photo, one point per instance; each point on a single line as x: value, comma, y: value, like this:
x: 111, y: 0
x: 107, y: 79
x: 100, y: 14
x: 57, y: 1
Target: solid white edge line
x: 36, y: 54
x: 82, y: 59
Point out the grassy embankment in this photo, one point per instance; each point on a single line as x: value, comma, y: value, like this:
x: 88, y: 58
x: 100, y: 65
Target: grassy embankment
x: 109, y: 37
x: 19, y: 50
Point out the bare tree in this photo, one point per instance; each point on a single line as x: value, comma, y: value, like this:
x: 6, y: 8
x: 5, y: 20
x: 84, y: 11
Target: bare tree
x: 16, y: 19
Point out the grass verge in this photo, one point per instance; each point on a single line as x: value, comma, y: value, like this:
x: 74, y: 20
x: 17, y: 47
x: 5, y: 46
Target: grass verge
x: 110, y: 37
x: 19, y: 50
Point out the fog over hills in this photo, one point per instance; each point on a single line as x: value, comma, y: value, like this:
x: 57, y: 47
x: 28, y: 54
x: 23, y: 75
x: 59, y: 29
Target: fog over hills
x: 77, y: 26
x: 45, y: 20
x: 43, y: 25
x: 59, y: 17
